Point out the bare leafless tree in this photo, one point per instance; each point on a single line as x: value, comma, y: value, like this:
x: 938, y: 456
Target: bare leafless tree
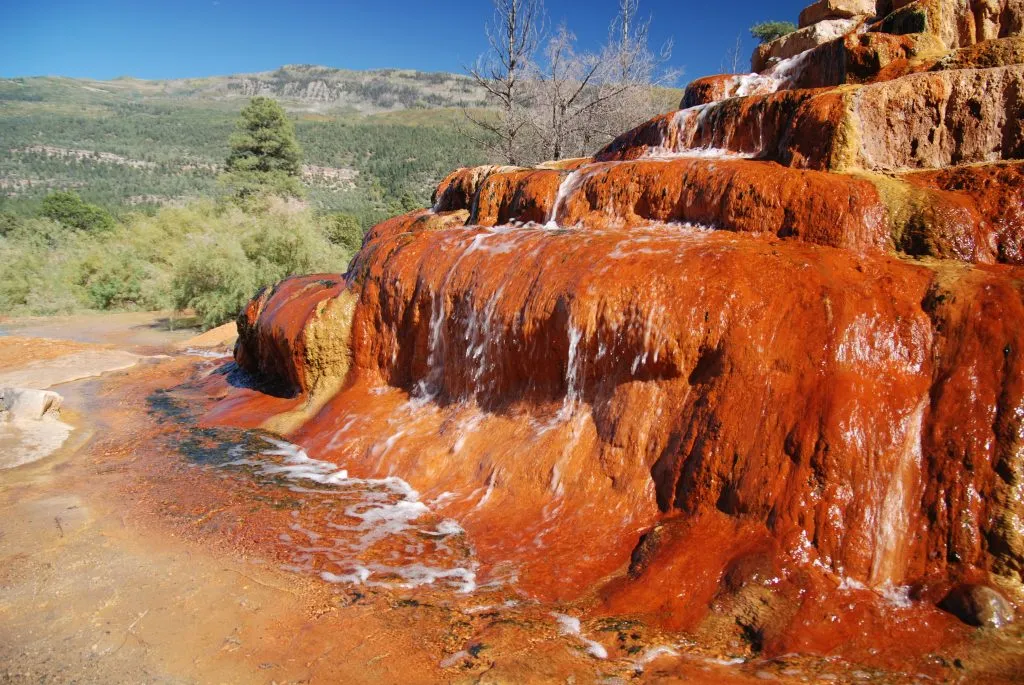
x: 638, y: 73
x: 574, y: 102
x: 564, y: 94
x: 514, y: 36
x: 733, y: 57
x: 582, y: 100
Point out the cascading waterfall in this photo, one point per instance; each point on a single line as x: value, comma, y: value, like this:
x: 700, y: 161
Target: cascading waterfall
x: 714, y: 366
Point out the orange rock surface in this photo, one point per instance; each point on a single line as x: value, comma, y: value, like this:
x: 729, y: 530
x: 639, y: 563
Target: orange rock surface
x: 755, y: 367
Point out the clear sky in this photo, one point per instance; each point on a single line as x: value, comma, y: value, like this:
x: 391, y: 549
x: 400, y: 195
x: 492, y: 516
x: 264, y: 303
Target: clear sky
x: 185, y: 38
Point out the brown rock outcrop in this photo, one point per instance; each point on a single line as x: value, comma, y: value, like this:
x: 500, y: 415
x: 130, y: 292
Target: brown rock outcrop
x: 804, y: 39
x: 297, y: 334
x: 527, y: 195
x: 938, y: 119
x: 835, y: 9
x: 918, y: 121
x: 956, y: 23
x: 756, y: 366
x: 1000, y: 52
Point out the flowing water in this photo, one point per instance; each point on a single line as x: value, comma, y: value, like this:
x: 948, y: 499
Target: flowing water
x: 361, y: 531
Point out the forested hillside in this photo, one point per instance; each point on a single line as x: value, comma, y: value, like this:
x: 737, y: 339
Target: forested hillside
x: 113, y: 194
x: 372, y: 142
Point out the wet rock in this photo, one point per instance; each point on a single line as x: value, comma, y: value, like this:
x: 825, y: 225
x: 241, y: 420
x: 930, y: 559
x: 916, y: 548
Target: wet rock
x: 957, y: 24
x: 868, y: 58
x: 800, y: 128
x: 971, y: 213
x: 710, y: 331
x: 457, y: 189
x: 835, y: 9
x: 525, y: 195
x: 979, y: 605
x: 714, y: 88
x: 1000, y: 52
x: 26, y: 403
x: 735, y: 195
x: 919, y: 121
x: 799, y: 41
x: 295, y: 335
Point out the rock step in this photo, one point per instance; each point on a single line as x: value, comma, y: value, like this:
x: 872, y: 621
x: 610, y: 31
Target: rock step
x: 295, y: 333
x: 758, y: 378
x: 27, y: 403
x: 918, y: 121
x: 970, y: 213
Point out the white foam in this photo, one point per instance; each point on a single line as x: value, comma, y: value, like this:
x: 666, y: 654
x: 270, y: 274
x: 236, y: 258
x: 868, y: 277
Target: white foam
x: 570, y: 625
x: 386, y: 508
x: 651, y: 654
x: 897, y: 595
x: 449, y: 527
x: 382, y: 520
x: 207, y: 354
x: 359, y: 576
x: 455, y: 658
x: 848, y: 584
x: 412, y: 575
x: 297, y: 465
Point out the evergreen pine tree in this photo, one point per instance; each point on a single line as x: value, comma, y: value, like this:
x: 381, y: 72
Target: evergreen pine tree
x: 265, y: 157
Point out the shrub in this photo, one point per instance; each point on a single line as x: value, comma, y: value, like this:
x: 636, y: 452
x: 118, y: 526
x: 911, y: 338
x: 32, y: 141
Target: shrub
x: 213, y: 278
x: 219, y: 269
x: 34, y: 277
x: 767, y: 31
x: 114, y: 279
x: 67, y: 208
x: 8, y: 223
x: 344, y: 230
x: 206, y: 257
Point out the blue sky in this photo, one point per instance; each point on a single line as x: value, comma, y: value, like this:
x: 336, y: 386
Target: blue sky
x: 162, y: 39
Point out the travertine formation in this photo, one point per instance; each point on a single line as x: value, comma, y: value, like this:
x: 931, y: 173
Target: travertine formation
x: 754, y: 356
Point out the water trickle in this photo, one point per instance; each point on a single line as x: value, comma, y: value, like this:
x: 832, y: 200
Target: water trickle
x: 574, y: 374
x: 570, y: 625
x: 783, y: 75
x: 688, y: 133
x: 568, y: 185
x: 371, y: 531
x: 898, y: 487
x: 680, y: 139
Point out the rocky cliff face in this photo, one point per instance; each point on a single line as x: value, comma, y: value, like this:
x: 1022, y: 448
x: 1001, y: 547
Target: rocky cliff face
x: 758, y: 359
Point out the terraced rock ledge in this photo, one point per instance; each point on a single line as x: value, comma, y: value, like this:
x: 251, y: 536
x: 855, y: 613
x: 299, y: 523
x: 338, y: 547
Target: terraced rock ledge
x: 753, y: 372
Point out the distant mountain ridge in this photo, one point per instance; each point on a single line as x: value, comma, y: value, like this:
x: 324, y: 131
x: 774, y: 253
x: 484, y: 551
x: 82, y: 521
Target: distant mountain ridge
x: 373, y: 141
x: 298, y: 86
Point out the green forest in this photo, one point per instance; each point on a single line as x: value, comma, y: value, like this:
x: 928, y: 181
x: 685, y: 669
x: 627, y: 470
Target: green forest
x: 132, y: 156
x: 112, y: 196
x: 117, y: 194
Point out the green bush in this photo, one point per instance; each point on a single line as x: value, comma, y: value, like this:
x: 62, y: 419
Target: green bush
x: 344, y: 230
x: 34, y: 276
x: 67, y: 208
x: 767, y: 31
x: 8, y: 223
x: 114, y: 279
x: 214, y: 279
x: 205, y: 257
x: 238, y: 253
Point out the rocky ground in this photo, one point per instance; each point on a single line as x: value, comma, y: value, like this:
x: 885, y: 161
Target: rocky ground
x: 122, y: 559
